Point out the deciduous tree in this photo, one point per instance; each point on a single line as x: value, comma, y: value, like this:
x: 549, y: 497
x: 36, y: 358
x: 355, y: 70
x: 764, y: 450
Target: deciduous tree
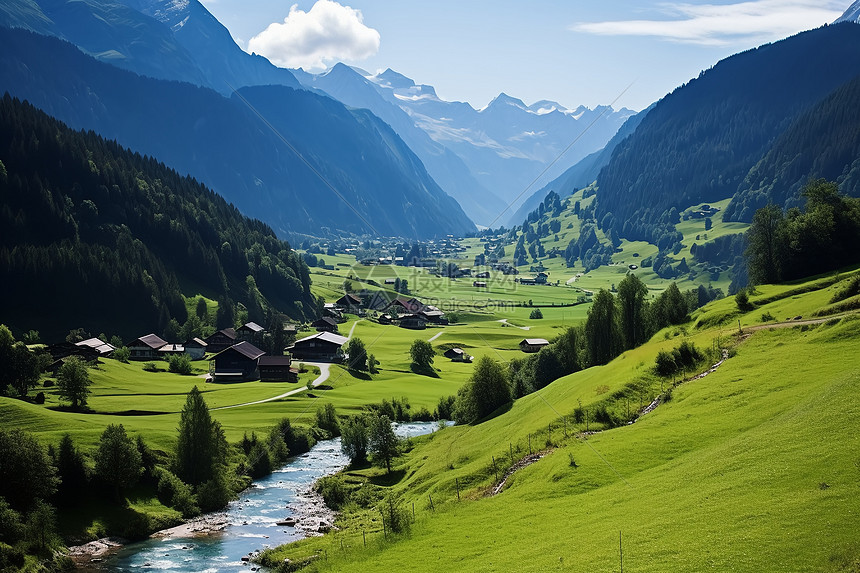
x: 73, y: 382
x: 117, y: 459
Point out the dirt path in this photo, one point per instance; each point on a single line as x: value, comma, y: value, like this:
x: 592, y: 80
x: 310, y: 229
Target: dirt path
x: 525, y: 462
x: 437, y: 335
x: 505, y: 322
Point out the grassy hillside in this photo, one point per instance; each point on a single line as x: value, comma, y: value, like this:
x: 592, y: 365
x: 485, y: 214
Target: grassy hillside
x: 752, y: 468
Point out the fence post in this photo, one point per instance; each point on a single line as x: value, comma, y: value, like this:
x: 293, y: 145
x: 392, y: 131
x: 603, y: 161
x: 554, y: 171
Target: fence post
x: 364, y: 538
x: 458, y: 488
x: 431, y: 502
x: 495, y: 471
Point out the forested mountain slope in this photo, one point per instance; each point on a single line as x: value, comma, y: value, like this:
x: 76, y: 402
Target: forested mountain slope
x: 96, y: 236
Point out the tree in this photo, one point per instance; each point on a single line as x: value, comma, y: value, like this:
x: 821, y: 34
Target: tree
x: 41, y: 525
x: 354, y: 437
x: 73, y: 382
x: 765, y: 251
x: 372, y: 364
x: 71, y: 470
x: 632, y: 306
x: 202, y: 445
x: 357, y: 354
x: 201, y: 310
x: 536, y: 314
x: 602, y: 333
x: 486, y: 390
x: 383, y: 443
x: 422, y: 354
x: 21, y: 368
x: 26, y: 471
x: 118, y: 459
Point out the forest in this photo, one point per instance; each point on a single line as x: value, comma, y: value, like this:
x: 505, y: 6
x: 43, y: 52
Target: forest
x: 94, y: 235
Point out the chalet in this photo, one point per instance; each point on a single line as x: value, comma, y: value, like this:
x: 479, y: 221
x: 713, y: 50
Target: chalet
x: 483, y: 275
x: 60, y: 352
x: 390, y: 281
x: 413, y: 322
x: 250, y: 332
x: 277, y: 369
x: 146, y: 347
x: 221, y: 340
x: 479, y: 284
x: 407, y: 305
x: 97, y: 344
x: 238, y: 363
x: 322, y: 346
x: 325, y: 324
x: 541, y: 278
x: 457, y: 355
x: 384, y: 319
x: 533, y: 344
x: 528, y: 280
x: 331, y: 310
x: 169, y: 350
x: 195, y: 348
x: 433, y: 315
x: 349, y: 302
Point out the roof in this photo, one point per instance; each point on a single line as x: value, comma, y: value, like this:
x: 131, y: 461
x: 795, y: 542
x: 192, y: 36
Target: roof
x: 172, y: 348
x: 153, y: 341
x: 274, y: 361
x: 252, y: 326
x: 98, y: 345
x: 327, y: 337
x: 196, y: 342
x: 535, y: 341
x: 351, y: 297
x: 228, y: 332
x: 246, y: 349
x: 326, y: 319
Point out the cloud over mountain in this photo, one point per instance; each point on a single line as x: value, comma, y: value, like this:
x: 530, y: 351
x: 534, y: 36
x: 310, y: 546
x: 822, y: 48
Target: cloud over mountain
x: 328, y: 31
x: 723, y: 24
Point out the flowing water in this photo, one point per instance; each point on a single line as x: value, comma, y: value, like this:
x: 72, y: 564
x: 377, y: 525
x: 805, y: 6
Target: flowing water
x: 252, y: 519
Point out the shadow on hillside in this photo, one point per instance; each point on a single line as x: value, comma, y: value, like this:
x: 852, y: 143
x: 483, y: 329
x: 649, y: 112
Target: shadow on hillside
x: 387, y: 479
x: 422, y: 371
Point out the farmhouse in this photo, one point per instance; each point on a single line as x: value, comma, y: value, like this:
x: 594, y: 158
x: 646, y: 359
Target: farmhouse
x: 323, y: 347
x: 146, y: 347
x: 349, y: 302
x: 483, y: 275
x: 413, y: 321
x: 97, y: 344
x: 251, y: 332
x: 533, y: 344
x: 479, y: 284
x: 457, y: 355
x: 221, y: 340
x: 325, y: 324
x: 277, y: 369
x: 410, y: 305
x: 195, y: 348
x: 170, y: 350
x: 238, y: 363
x: 434, y: 315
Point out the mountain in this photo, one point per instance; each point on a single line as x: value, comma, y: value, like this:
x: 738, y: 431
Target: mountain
x: 824, y: 142
x: 508, y: 144
x: 580, y: 175
x: 299, y: 161
x: 93, y: 235
x: 698, y: 144
x: 447, y: 169
x: 164, y: 39
x: 852, y: 14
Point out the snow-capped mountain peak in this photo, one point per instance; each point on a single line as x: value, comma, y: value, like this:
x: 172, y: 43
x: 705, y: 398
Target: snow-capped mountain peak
x: 852, y: 14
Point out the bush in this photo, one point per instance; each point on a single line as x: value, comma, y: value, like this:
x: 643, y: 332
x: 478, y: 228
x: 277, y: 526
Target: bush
x: 742, y: 299
x: 215, y: 493
x: 397, y: 516
x: 767, y: 317
x: 445, y: 408
x: 259, y: 464
x: 40, y: 398
x: 536, y: 314
x: 122, y: 354
x: 175, y: 493
x: 150, y: 367
x: 327, y: 420
x: 334, y: 491
x: 179, y: 364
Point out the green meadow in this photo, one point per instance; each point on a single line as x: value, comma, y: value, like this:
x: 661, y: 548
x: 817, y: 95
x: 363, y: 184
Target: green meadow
x: 755, y: 467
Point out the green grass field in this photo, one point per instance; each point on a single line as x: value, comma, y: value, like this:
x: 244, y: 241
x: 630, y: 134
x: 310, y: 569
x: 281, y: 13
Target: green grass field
x: 755, y: 467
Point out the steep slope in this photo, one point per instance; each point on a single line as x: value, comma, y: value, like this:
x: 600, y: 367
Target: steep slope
x: 823, y: 142
x: 162, y: 39
x: 447, y: 169
x: 582, y: 174
x: 700, y: 141
x: 507, y: 144
x: 381, y: 187
x: 97, y: 236
x: 852, y: 14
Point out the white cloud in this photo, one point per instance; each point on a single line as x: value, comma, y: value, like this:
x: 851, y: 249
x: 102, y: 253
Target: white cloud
x: 725, y: 24
x: 328, y: 31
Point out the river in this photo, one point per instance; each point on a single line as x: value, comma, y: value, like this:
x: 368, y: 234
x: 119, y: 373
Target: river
x: 251, y: 520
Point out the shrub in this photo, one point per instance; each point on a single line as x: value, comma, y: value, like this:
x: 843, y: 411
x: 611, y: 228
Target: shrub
x: 767, y: 317
x: 150, y: 367
x: 445, y: 408
x: 40, y: 398
x: 327, y: 419
x: 122, y: 354
x: 334, y: 491
x: 536, y: 314
x: 742, y: 299
x: 215, y: 493
x: 397, y: 516
x: 179, y: 364
x: 175, y: 493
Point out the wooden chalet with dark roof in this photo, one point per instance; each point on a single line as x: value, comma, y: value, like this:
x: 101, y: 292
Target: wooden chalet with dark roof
x: 97, y: 344
x: 349, y: 303
x: 239, y: 363
x: 250, y: 332
x: 413, y: 322
x: 325, y: 324
x: 322, y: 347
x: 277, y: 369
x: 146, y: 347
x: 221, y: 340
x: 530, y: 345
x: 196, y: 348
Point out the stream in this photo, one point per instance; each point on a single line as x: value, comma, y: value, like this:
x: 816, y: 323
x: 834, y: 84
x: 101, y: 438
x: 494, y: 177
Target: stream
x: 251, y: 520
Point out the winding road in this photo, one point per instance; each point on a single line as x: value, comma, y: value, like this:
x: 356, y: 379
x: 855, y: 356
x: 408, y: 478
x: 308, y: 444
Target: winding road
x: 325, y: 371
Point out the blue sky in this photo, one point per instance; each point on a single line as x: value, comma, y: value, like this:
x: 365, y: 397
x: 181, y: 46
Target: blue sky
x: 570, y: 51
